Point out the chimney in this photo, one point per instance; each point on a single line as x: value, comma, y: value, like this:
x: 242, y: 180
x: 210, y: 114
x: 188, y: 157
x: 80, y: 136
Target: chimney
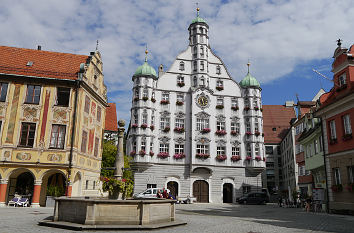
x: 39, y: 47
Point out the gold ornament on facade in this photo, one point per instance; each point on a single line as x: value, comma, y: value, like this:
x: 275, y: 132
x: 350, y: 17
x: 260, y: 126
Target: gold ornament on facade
x: 54, y: 157
x: 23, y: 156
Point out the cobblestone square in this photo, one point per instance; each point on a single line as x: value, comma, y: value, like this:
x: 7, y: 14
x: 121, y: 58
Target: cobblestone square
x: 205, y: 218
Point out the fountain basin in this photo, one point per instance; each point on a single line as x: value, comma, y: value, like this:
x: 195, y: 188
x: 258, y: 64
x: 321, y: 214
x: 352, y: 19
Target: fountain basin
x: 112, y: 214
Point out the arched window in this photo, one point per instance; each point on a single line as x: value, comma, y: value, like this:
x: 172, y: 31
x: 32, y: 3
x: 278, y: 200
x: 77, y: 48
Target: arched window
x: 201, y: 51
x: 218, y: 69
x: 181, y: 65
x: 201, y: 30
x: 195, y: 81
x: 195, y: 51
x: 202, y: 65
x: 194, y: 65
x: 202, y: 81
x: 249, y: 151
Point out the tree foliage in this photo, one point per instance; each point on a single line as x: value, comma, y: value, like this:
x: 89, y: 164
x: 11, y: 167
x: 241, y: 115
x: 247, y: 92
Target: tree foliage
x: 108, y: 159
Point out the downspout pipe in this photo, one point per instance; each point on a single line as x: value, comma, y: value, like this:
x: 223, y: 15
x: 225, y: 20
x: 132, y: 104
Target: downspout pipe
x: 77, y: 87
x: 325, y: 167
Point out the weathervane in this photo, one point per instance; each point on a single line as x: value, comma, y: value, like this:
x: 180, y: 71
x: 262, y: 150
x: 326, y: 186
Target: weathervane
x: 197, y: 9
x: 339, y: 42
x: 146, y: 52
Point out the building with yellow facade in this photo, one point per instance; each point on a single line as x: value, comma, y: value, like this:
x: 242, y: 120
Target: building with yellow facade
x: 52, y: 118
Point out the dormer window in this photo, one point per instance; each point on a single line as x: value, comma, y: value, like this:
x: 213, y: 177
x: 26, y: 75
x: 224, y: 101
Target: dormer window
x: 342, y: 80
x: 218, y: 69
x: 181, y: 66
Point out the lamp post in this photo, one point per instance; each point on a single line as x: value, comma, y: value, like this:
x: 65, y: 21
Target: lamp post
x: 119, y: 162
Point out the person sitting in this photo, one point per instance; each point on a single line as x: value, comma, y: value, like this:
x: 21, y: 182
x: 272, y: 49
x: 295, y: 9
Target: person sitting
x: 159, y: 194
x: 164, y: 193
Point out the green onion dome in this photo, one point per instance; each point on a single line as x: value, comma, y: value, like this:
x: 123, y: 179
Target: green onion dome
x: 249, y: 80
x: 145, y: 69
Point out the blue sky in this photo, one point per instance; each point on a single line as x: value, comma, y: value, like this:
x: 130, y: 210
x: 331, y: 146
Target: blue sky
x: 284, y: 39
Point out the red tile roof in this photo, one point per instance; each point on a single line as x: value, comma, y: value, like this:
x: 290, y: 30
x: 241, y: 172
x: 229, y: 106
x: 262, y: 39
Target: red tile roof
x: 276, y: 116
x: 45, y: 64
x: 111, y: 118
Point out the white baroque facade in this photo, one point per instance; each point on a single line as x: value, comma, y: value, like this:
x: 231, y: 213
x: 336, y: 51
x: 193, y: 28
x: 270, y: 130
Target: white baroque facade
x: 194, y: 129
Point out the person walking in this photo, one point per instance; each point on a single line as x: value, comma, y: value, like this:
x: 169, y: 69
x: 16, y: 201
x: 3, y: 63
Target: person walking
x: 308, y: 204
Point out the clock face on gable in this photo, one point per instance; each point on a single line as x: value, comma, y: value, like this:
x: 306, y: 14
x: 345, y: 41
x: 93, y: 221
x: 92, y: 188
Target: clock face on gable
x: 202, y: 101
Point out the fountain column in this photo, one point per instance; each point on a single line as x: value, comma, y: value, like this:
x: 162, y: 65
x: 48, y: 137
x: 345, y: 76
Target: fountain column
x: 119, y: 162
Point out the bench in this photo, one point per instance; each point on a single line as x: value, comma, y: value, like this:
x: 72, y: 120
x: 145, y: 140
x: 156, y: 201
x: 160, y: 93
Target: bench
x: 186, y: 200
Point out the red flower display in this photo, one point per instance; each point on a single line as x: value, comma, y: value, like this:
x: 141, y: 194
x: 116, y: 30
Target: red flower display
x: 235, y: 158
x: 202, y: 156
x: 221, y: 157
x: 163, y: 155
x: 179, y: 156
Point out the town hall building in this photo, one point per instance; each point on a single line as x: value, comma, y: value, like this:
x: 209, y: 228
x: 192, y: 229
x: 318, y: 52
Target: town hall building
x: 194, y: 129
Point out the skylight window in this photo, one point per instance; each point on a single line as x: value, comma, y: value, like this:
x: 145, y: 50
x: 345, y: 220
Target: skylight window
x: 29, y: 63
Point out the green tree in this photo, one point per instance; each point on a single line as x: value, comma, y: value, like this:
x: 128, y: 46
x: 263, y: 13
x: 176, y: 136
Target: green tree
x: 108, y: 159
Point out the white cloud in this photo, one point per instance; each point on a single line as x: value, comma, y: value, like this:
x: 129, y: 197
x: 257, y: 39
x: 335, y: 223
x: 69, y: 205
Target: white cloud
x: 275, y: 35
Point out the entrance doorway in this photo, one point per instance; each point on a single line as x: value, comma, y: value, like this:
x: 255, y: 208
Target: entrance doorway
x: 227, y: 193
x: 173, y: 187
x: 201, y: 191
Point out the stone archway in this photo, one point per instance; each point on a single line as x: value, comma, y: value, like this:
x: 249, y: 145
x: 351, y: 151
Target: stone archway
x: 77, y: 184
x: 201, y: 191
x: 21, y: 182
x: 173, y: 187
x: 227, y: 193
x: 53, y: 184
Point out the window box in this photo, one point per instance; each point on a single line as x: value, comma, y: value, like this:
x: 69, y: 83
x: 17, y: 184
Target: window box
x: 337, y: 188
x: 219, y: 106
x: 144, y: 126
x: 181, y: 84
x: 234, y: 133
x: 145, y: 98
x: 179, y: 156
x: 350, y: 187
x: 132, y: 153
x: 247, y: 108
x: 258, y: 158
x: 248, y: 158
x: 220, y: 88
x: 248, y: 133
x: 347, y: 137
x: 332, y: 141
x: 221, y: 157
x: 235, y: 158
x: 179, y: 103
x: 202, y: 156
x: 136, y: 98
x: 166, y: 129
x: 235, y: 108
x: 152, y: 127
x: 151, y: 153
x: 256, y: 108
x: 205, y: 130
x: 257, y: 133
x: 134, y: 126
x: 163, y: 155
x: 153, y: 100
x: 179, y: 130
x: 220, y: 132
x: 142, y: 153
x: 164, y: 102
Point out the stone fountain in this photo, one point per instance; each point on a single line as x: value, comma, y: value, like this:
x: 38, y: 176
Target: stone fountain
x: 78, y: 213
